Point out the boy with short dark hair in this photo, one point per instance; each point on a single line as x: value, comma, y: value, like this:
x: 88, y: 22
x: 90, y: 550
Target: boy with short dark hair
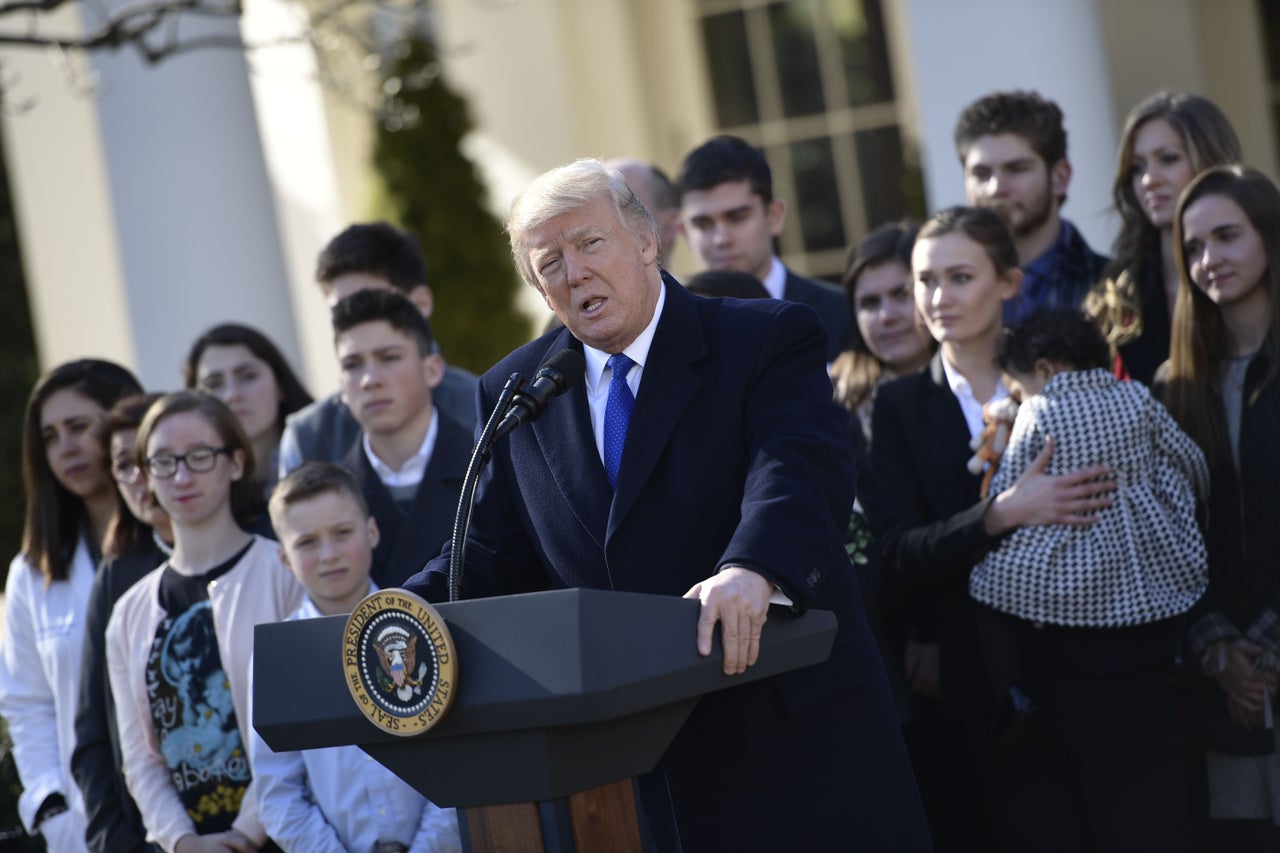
x: 336, y: 799
x: 409, y: 457
x: 379, y: 256
x: 1013, y: 149
x: 730, y: 218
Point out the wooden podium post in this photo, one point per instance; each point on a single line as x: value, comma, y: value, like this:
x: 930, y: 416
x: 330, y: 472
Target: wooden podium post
x: 561, y: 698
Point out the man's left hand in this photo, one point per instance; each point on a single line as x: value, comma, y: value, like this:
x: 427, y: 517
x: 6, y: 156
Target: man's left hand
x: 738, y: 599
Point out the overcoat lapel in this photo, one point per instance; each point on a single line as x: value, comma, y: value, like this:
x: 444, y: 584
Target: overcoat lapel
x: 565, y: 438
x: 667, y: 387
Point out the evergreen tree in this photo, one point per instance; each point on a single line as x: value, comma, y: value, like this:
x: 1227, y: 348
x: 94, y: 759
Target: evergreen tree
x: 19, y: 373
x: 432, y: 190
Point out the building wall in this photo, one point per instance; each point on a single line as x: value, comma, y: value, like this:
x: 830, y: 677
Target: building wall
x: 194, y: 191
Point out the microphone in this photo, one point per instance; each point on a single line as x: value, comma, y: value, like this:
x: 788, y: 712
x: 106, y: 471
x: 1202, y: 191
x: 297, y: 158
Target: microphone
x: 560, y: 373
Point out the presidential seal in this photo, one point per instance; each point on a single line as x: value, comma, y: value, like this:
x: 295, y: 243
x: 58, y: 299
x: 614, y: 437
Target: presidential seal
x: 399, y: 661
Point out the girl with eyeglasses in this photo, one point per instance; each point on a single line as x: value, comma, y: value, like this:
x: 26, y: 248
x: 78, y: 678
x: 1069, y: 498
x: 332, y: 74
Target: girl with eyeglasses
x: 68, y: 508
x: 139, y: 538
x: 180, y: 640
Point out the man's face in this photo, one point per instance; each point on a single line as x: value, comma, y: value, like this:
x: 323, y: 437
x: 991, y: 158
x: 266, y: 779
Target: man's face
x: 731, y: 228
x: 599, y: 278
x: 1004, y: 173
x: 385, y: 381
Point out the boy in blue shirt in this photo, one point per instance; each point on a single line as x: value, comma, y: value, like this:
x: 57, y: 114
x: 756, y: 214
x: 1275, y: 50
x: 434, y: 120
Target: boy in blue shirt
x: 337, y: 799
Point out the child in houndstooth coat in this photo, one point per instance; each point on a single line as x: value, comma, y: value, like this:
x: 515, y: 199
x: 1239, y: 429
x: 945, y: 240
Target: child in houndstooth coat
x: 1144, y: 560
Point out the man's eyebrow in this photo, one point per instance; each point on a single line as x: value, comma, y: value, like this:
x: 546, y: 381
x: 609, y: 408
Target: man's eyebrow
x: 583, y: 230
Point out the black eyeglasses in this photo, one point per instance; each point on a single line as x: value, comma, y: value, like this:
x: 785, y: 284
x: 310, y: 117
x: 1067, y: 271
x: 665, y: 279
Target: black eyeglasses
x: 125, y: 470
x: 162, y: 466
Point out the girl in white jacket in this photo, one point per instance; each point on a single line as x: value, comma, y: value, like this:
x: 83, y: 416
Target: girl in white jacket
x: 69, y: 502
x: 180, y: 640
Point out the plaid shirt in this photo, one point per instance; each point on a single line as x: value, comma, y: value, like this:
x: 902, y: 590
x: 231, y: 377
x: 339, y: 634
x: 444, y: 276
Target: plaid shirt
x: 1059, y: 278
x: 1216, y: 628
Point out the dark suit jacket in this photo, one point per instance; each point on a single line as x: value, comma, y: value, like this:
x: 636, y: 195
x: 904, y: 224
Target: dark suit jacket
x: 830, y: 303
x: 735, y: 455
x: 409, y: 540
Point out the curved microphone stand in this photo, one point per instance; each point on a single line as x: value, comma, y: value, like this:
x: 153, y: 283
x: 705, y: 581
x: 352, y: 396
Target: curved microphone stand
x: 479, y: 456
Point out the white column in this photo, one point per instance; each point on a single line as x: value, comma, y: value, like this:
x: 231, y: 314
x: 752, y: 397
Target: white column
x: 960, y: 51
x: 146, y: 212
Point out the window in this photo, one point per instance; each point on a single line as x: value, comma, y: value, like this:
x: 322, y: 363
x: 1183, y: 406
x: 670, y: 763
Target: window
x: 810, y: 82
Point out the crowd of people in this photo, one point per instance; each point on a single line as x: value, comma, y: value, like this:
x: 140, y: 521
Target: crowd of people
x: 1078, y: 628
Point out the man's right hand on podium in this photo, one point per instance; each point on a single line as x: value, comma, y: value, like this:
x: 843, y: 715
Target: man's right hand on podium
x: 738, y: 599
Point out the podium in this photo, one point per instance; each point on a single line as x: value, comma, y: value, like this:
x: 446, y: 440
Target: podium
x: 562, y: 697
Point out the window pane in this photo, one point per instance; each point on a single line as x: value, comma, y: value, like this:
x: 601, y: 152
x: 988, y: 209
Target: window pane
x: 864, y: 51
x: 817, y: 199
x: 725, y: 37
x: 796, y: 53
x: 891, y: 187
x: 1270, y: 13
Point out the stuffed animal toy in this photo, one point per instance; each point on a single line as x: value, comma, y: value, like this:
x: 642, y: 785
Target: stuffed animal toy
x: 989, y: 445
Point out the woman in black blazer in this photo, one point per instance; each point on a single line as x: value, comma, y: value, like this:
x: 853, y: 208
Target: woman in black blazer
x: 1050, y: 786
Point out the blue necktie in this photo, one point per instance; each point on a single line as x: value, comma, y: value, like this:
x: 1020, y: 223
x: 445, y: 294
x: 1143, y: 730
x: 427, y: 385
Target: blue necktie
x: 617, y: 414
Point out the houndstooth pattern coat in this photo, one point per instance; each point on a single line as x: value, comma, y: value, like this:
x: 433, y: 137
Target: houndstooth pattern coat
x: 1144, y: 560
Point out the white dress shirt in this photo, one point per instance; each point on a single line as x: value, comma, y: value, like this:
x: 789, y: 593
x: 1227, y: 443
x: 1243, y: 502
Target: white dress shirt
x: 339, y: 799
x: 599, y: 374
x: 969, y: 404
x: 414, y: 468
x: 776, y: 280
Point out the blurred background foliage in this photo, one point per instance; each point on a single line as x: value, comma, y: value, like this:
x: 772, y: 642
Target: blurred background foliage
x: 430, y: 188
x: 18, y: 369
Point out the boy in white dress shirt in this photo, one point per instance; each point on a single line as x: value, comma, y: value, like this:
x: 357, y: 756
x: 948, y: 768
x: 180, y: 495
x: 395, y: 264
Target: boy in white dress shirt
x: 337, y: 799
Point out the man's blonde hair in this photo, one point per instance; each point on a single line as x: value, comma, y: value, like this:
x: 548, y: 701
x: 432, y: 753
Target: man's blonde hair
x: 568, y: 188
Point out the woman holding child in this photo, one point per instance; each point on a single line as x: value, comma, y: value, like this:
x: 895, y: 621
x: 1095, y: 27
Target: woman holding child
x: 1086, y: 764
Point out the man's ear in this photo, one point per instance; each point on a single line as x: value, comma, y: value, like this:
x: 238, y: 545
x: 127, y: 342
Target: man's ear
x: 1045, y: 369
x: 776, y: 212
x: 649, y: 249
x: 424, y: 299
x: 374, y: 535
x: 1059, y: 178
x: 433, y: 366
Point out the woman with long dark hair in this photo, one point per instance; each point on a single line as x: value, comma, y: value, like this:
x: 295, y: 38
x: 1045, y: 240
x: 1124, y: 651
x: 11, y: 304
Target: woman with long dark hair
x: 242, y: 367
x: 69, y: 503
x: 1168, y: 139
x: 1223, y: 389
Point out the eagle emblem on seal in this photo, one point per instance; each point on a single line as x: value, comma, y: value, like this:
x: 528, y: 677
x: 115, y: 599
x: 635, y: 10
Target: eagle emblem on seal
x: 398, y: 656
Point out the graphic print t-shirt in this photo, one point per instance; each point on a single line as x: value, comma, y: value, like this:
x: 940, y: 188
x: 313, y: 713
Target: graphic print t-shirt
x: 191, y: 703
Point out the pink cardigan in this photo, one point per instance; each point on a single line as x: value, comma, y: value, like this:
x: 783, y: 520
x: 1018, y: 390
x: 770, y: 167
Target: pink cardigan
x: 257, y: 589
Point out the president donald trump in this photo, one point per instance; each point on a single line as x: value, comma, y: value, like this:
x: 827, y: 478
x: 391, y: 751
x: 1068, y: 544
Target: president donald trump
x: 701, y: 457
